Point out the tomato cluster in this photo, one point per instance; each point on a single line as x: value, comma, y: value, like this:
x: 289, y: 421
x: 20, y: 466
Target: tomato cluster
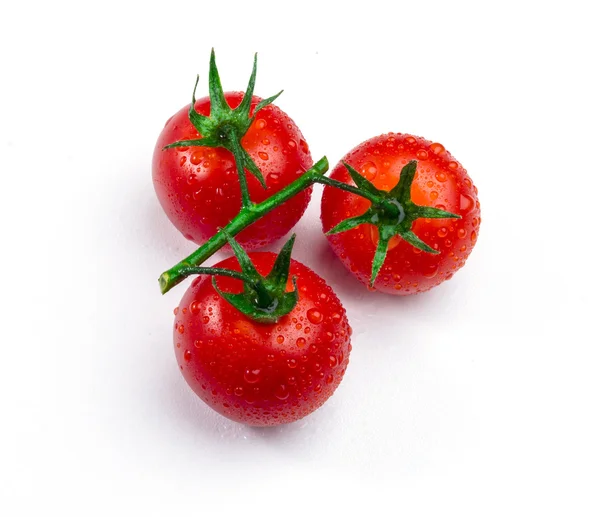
x: 260, y: 337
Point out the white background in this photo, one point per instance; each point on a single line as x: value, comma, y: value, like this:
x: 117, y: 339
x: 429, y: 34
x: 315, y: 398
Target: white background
x: 477, y: 398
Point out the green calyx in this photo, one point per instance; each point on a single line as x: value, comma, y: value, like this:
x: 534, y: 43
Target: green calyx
x: 393, y: 213
x: 225, y: 127
x: 264, y: 299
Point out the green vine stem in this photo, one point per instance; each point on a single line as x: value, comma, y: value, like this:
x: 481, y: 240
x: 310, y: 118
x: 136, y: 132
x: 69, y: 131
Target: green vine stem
x: 245, y: 218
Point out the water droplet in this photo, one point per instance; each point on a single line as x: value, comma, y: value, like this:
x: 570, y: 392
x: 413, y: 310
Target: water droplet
x: 266, y: 141
x: 448, y: 243
x: 433, y: 195
x: 463, y: 248
x: 263, y: 156
x: 304, y: 146
x: 473, y: 236
x: 282, y: 392
x: 187, y: 355
x: 252, y: 376
x: 292, y: 363
x: 441, y: 176
x: 332, y: 361
x: 461, y: 233
x: 196, y: 157
x: 178, y: 345
x: 238, y: 391
x: 291, y: 380
x: 369, y: 170
x: 273, y: 177
x: 431, y: 272
x: 329, y: 379
x: 397, y: 287
x: 280, y: 339
x: 205, y: 319
x: 411, y: 140
x: 292, y: 144
x: 437, y: 148
x: 467, y: 203
x: 175, y: 310
x: 195, y: 307
x: 313, y: 349
x: 261, y: 123
x: 181, y: 329
x: 453, y: 165
x: 442, y: 232
x: 198, y: 343
x: 336, y: 317
x: 422, y: 154
x: 314, y: 316
x: 300, y: 342
x: 182, y: 160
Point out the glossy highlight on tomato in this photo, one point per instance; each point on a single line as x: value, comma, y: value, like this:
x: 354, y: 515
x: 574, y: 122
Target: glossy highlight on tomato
x: 255, y: 373
x: 440, y: 182
x: 198, y: 187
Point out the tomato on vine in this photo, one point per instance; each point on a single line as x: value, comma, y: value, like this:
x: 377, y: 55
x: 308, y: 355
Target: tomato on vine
x: 414, y: 221
x: 206, y: 150
x: 257, y: 346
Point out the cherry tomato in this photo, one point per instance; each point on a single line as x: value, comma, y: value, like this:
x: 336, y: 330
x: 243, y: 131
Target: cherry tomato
x: 255, y: 373
x: 440, y: 182
x: 198, y: 187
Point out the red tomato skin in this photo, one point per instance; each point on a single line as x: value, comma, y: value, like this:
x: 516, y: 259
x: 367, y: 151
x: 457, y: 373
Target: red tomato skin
x: 198, y: 187
x: 262, y: 374
x: 440, y: 182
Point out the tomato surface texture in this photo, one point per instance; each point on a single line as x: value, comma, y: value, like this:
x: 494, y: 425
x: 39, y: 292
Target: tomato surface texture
x: 198, y: 187
x: 440, y: 182
x: 262, y: 374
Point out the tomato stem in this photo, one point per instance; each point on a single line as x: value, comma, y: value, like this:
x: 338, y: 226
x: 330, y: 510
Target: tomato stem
x: 247, y: 216
x: 238, y: 155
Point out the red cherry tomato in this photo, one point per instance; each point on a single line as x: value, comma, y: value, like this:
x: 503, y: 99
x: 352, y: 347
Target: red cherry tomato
x: 198, y: 187
x: 255, y: 373
x: 440, y: 182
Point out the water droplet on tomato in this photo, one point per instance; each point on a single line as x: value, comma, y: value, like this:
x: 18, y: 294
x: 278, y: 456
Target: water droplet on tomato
x: 473, y: 236
x: 198, y: 343
x: 252, y: 376
x: 196, y: 157
x: 292, y: 363
x: 300, y: 342
x: 467, y: 203
x: 333, y: 361
x: 453, y: 165
x: 369, y: 170
x: 205, y: 319
x: 410, y: 140
x: 274, y: 177
x: 195, y: 307
x: 181, y: 329
x: 437, y: 148
x: 441, y: 176
x: 314, y: 316
x: 433, y: 195
x: 178, y: 345
x: 280, y: 339
x: 442, y: 232
x: 329, y: 379
x: 304, y: 146
x: 422, y: 154
x: 263, y: 156
x: 175, y: 310
x: 187, y: 355
x: 431, y: 272
x: 266, y: 141
x: 462, y: 233
x: 292, y: 144
x: 282, y: 392
x: 261, y: 123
